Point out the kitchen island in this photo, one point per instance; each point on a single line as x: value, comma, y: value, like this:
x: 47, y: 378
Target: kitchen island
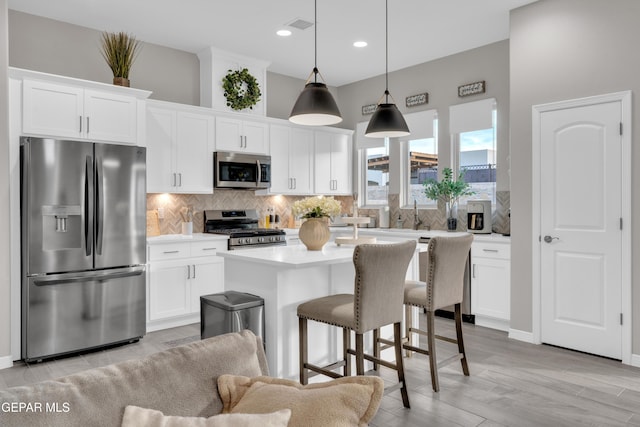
x: 286, y: 276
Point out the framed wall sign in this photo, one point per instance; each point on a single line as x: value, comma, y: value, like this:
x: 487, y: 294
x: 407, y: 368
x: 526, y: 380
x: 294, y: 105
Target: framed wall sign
x: 419, y: 99
x: 368, y: 109
x: 471, y: 89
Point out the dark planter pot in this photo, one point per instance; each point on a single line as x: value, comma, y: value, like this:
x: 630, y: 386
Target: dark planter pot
x: 452, y: 224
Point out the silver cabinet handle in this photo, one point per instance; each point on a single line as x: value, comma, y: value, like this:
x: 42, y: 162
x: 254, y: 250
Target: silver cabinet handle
x: 549, y: 239
x: 473, y: 271
x: 180, y: 176
x: 295, y: 183
x: 170, y: 252
x: 490, y: 250
x: 188, y: 272
x: 194, y: 271
x: 209, y: 249
x: 80, y: 117
x: 174, y: 180
x: 87, y: 125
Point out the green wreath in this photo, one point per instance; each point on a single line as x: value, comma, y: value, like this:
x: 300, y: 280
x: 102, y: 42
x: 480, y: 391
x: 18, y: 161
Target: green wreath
x: 241, y: 89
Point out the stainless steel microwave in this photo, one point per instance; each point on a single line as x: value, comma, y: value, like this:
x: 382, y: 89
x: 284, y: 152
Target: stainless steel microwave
x: 240, y: 170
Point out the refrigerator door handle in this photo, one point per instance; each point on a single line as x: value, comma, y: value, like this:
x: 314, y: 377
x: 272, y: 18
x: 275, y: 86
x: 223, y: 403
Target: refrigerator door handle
x: 99, y: 205
x: 259, y: 174
x: 59, y: 279
x: 88, y: 206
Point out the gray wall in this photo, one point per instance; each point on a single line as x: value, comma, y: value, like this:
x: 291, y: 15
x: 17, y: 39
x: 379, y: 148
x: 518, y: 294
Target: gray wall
x: 565, y: 49
x: 55, y: 47
x: 441, y: 78
x: 5, y: 289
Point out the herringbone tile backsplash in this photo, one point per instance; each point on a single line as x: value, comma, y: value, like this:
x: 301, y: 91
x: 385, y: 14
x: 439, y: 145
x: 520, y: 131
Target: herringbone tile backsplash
x: 434, y: 219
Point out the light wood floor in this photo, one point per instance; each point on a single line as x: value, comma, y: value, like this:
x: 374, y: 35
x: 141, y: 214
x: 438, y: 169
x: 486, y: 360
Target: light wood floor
x: 511, y: 383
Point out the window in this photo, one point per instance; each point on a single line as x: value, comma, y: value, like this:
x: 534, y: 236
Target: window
x: 473, y: 132
x: 420, y: 154
x: 377, y: 174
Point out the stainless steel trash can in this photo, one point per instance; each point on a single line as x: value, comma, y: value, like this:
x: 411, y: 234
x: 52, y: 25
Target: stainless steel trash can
x: 231, y: 312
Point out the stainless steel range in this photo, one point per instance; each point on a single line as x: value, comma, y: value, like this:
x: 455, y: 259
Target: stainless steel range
x: 241, y: 225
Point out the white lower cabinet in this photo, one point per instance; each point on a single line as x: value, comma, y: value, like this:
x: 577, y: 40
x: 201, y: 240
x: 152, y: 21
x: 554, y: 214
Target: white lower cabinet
x: 491, y: 284
x: 179, y: 273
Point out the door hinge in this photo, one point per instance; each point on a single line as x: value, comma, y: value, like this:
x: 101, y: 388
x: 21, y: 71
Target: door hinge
x: 621, y: 318
x: 620, y: 128
x: 620, y: 223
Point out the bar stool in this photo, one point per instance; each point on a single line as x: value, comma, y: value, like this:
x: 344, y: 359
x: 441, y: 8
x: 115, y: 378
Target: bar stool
x: 446, y: 260
x: 380, y: 272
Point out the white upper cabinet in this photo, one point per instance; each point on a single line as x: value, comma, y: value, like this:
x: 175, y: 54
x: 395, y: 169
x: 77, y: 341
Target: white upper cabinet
x: 72, y: 111
x: 291, y: 160
x: 179, y: 149
x: 333, y: 168
x: 239, y: 135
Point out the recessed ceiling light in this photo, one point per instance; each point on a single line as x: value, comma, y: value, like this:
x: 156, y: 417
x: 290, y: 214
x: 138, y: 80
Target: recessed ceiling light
x: 283, y: 33
x: 360, y: 44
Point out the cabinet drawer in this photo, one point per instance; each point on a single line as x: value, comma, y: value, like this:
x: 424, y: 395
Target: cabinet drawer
x: 491, y: 250
x: 169, y: 251
x: 208, y: 248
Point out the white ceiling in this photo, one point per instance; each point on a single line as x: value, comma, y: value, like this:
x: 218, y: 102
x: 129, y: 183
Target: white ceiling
x: 419, y: 30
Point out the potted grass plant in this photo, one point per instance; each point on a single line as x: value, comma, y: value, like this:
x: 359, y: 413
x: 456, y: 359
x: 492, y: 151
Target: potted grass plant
x: 448, y: 190
x: 120, y: 51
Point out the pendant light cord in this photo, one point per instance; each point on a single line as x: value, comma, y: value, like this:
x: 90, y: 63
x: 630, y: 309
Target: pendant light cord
x: 386, y: 50
x: 315, y: 40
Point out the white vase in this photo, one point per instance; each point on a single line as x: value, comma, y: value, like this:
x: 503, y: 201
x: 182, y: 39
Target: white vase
x: 314, y: 233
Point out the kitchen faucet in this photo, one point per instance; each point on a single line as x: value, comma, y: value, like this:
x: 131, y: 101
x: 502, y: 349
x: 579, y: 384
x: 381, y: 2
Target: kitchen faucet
x: 416, y: 220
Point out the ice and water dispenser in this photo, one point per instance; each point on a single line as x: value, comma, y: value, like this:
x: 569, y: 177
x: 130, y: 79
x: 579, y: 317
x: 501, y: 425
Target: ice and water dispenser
x: 479, y: 216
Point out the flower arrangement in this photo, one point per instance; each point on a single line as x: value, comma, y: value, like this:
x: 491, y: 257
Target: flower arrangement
x: 316, y: 207
x: 120, y: 51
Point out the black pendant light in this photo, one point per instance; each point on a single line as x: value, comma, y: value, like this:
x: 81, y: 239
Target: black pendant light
x: 387, y: 120
x: 315, y: 105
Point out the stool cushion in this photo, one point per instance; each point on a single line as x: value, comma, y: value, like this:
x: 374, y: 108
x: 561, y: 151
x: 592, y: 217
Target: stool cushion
x: 334, y: 309
x: 415, y: 293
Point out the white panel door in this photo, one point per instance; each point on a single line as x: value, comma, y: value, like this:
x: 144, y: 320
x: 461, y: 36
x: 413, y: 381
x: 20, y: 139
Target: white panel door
x: 301, y: 161
x: 280, y: 138
x: 581, y: 242
x: 53, y: 110
x: 161, y: 130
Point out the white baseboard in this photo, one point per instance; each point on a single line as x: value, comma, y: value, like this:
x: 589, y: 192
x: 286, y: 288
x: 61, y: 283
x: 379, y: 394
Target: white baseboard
x: 635, y: 360
x: 7, y: 362
x: 521, y: 335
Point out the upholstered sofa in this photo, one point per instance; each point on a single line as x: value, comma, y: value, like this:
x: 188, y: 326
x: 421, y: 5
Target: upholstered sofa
x: 226, y: 374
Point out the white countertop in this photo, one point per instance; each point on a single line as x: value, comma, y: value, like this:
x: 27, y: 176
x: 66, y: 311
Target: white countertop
x: 177, y: 238
x: 297, y: 256
x: 407, y: 233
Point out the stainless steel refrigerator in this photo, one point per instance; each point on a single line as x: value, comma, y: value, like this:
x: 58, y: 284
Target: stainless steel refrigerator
x: 83, y: 219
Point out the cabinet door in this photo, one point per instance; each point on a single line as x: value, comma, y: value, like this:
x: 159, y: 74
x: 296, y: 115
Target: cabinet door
x: 341, y: 164
x: 301, y: 161
x: 110, y: 117
x: 281, y: 181
x: 207, y: 277
x: 323, y: 181
x: 161, y: 134
x: 490, y: 290
x: 256, y: 137
x: 194, y: 153
x: 228, y: 134
x: 52, y: 110
x: 169, y: 293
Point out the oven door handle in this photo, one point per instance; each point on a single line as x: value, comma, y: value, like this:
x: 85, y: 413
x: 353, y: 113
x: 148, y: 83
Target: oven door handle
x: 259, y: 174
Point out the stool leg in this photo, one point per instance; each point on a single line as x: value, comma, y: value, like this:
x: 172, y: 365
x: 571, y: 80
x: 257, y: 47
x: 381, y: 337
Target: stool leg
x: 463, y: 361
x: 346, y: 345
x: 376, y: 347
x: 302, y: 336
x: 397, y: 341
x: 359, y: 354
x: 408, y: 322
x: 431, y: 344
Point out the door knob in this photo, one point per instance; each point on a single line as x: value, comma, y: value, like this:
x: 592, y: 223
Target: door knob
x: 550, y: 239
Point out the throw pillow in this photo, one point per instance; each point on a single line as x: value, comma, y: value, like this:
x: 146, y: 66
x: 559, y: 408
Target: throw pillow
x: 135, y: 416
x: 347, y: 401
